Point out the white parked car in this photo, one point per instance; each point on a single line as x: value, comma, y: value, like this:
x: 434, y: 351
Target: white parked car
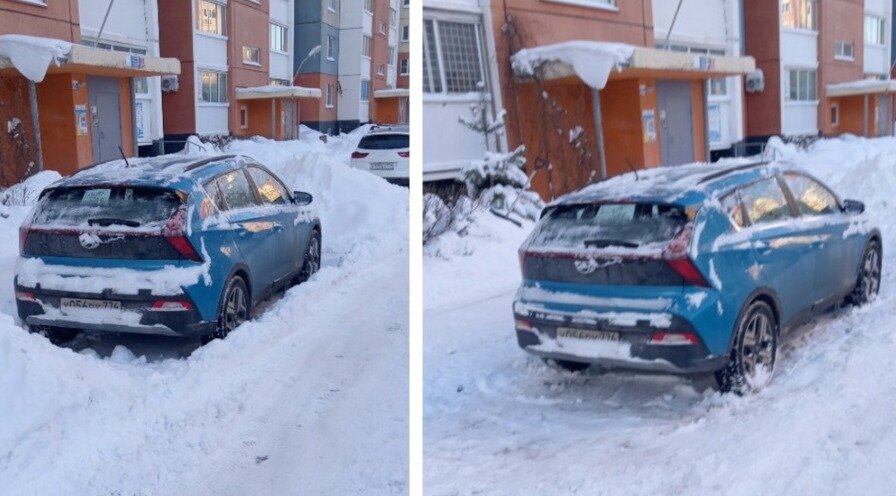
x: 384, y: 151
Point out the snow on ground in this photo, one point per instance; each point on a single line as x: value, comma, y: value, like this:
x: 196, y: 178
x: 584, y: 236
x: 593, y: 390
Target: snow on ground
x: 499, y: 422
x: 310, y: 397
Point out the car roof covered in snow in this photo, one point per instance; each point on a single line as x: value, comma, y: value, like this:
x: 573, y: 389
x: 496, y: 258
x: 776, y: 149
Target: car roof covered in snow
x: 174, y: 171
x: 690, y: 184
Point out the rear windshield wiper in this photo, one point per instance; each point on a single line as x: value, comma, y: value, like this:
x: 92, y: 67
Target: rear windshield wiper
x: 604, y: 243
x: 108, y: 221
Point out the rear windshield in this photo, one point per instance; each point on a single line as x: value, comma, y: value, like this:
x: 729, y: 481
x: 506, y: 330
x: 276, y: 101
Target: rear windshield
x: 114, y: 207
x: 609, y: 226
x: 384, y: 141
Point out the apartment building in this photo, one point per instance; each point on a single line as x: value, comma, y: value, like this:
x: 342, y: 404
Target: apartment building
x: 358, y: 53
x: 98, y: 101
x: 236, y: 75
x: 458, y: 54
x: 404, y: 30
x: 825, y: 67
x: 651, y: 109
x: 708, y: 27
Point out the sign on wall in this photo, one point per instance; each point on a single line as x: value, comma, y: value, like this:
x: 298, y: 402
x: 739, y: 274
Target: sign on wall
x: 648, y: 124
x: 81, y: 119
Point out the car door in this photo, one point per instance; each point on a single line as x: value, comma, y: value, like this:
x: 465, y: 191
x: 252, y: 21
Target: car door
x: 275, y: 197
x: 255, y: 232
x: 823, y: 219
x: 784, y: 253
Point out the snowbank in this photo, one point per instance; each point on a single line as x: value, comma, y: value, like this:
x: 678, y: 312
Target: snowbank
x: 592, y: 61
x: 28, y: 191
x: 32, y: 55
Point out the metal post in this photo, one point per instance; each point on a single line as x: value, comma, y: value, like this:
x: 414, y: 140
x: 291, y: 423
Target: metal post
x: 273, y: 118
x: 865, y: 116
x: 35, y: 125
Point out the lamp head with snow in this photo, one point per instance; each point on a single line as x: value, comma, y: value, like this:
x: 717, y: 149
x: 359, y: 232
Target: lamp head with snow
x: 695, y: 269
x: 195, y: 231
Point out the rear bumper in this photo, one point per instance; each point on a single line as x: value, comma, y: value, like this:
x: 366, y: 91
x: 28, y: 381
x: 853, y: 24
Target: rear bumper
x: 633, y: 350
x: 136, y: 315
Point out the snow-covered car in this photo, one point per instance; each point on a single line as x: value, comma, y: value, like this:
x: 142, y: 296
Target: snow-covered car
x: 691, y: 270
x: 385, y: 151
x: 175, y: 246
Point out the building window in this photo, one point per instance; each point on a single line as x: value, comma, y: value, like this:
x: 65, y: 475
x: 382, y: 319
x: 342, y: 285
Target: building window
x: 368, y: 6
x: 329, y: 100
x: 251, y: 55
x: 393, y: 18
x: 451, y: 57
x: 405, y: 32
x: 214, y: 86
x: 844, y: 50
x: 835, y: 114
x: 365, y: 45
x: 718, y: 87
x: 280, y: 82
x: 381, y: 70
x: 141, y: 85
x: 874, y: 30
x: 800, y: 14
x: 382, y: 27
x: 279, y: 40
x: 365, y: 90
x: 802, y: 84
x: 391, y: 55
x: 244, y: 117
x: 403, y: 64
x: 407, y: 3
x: 332, y: 5
x: 212, y: 17
x: 331, y: 47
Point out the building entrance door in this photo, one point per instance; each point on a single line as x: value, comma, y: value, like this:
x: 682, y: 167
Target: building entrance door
x: 105, y: 110
x: 676, y: 122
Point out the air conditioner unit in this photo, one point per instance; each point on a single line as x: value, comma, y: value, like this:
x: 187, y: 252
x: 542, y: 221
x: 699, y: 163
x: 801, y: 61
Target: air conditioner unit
x: 755, y: 81
x: 170, y: 83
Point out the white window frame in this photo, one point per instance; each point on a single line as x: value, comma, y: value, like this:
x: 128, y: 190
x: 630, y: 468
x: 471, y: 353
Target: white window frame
x: 439, y: 57
x: 393, y: 17
x: 840, y: 50
x: 285, y: 37
x: 332, y: 52
x: 806, y: 22
x: 256, y: 60
x: 219, y: 74
x: 880, y: 25
x: 403, y: 66
x: 361, y: 90
x: 367, y: 5
x: 366, y: 42
x: 333, y: 5
x: 328, y: 102
x: 392, y: 57
x: 222, y: 9
x: 244, y: 117
x: 405, y: 32
x: 383, y: 27
x: 790, y: 82
x: 381, y: 70
x: 610, y: 5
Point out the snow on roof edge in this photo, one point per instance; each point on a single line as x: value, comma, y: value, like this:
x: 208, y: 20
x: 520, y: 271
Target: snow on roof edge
x: 592, y: 61
x: 32, y: 55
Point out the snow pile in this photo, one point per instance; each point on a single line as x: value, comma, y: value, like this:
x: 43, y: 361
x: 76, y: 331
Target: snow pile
x: 592, y: 61
x: 314, y: 384
x: 28, y: 191
x: 32, y: 55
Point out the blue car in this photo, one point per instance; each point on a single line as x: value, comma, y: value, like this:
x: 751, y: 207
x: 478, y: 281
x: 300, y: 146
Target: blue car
x: 691, y: 270
x: 177, y: 246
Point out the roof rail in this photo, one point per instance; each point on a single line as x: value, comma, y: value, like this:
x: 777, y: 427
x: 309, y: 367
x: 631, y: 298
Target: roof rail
x: 196, y: 165
x: 725, y: 172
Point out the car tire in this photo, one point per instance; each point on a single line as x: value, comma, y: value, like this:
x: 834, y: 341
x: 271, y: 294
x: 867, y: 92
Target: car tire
x: 868, y: 280
x: 233, y: 310
x: 754, y: 353
x: 311, y: 263
x: 567, y: 365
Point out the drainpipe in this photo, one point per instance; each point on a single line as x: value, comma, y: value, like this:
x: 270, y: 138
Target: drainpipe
x: 35, y: 125
x: 599, y: 131
x: 865, y: 116
x: 273, y: 118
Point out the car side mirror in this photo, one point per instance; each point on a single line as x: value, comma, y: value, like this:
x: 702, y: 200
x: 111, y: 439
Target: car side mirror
x: 853, y: 207
x: 301, y: 198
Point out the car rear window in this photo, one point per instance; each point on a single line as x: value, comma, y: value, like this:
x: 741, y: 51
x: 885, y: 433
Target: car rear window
x: 116, y: 207
x: 609, y: 226
x: 384, y: 141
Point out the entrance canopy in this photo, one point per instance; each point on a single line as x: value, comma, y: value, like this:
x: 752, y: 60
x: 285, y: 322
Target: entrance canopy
x: 392, y: 93
x: 34, y: 57
x: 861, y: 87
x: 595, y: 62
x: 276, y: 92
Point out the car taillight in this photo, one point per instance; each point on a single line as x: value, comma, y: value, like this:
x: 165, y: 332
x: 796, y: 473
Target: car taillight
x: 523, y: 325
x: 171, y: 306
x: 25, y: 296
x: 404, y: 154
x: 23, y: 238
x: 676, y: 255
x: 359, y: 154
x: 173, y: 232
x: 184, y: 247
x: 664, y: 338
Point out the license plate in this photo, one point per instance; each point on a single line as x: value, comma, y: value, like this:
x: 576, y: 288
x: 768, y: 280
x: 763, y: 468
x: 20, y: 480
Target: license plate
x: 587, y: 334
x: 382, y: 166
x: 68, y: 303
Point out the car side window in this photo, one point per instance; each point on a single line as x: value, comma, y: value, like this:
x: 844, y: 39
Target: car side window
x: 235, y: 189
x: 732, y: 206
x: 270, y: 190
x: 214, y: 193
x: 811, y: 197
x: 765, y: 202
